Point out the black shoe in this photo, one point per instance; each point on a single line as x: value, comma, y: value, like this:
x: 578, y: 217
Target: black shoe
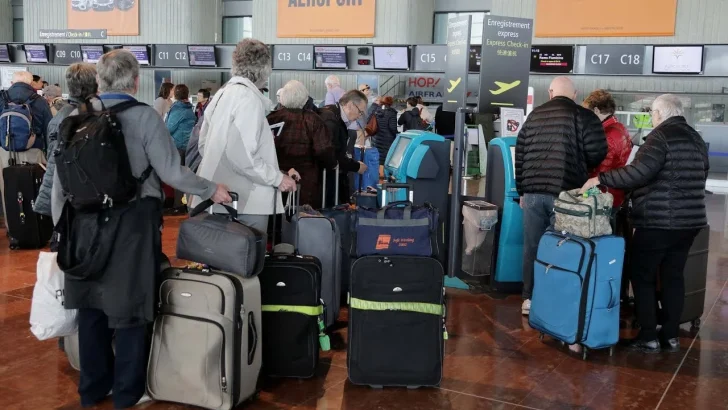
x: 670, y: 345
x: 645, y: 346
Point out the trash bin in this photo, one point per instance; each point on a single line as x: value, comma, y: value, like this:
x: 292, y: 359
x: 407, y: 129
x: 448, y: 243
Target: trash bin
x: 479, y: 231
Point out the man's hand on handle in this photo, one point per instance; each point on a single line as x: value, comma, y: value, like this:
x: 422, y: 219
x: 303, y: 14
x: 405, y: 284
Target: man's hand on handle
x: 294, y: 174
x: 362, y: 167
x: 287, y: 185
x: 221, y: 195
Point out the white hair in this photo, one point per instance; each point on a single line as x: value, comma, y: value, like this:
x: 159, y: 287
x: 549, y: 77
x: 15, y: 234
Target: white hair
x: 117, y: 71
x: 294, y: 95
x: 252, y: 60
x: 332, y: 80
x: 668, y: 105
x: 22, y: 77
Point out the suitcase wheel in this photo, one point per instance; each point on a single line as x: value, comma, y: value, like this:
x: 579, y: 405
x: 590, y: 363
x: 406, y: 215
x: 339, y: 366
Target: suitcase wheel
x: 584, y: 352
x: 376, y: 386
x: 540, y: 337
x: 695, y: 324
x: 413, y: 387
x: 611, y: 351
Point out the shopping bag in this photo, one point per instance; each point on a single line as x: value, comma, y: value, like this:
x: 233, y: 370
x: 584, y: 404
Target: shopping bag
x: 48, y: 316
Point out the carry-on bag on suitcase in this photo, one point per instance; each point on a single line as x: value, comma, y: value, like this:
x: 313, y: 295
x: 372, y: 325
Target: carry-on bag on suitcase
x: 576, y: 289
x: 313, y: 234
x: 27, y: 229
x: 293, y: 314
x: 206, y: 345
x: 396, y: 321
x: 221, y: 241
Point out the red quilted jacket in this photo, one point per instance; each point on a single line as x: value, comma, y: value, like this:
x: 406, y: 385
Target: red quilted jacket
x: 620, y: 146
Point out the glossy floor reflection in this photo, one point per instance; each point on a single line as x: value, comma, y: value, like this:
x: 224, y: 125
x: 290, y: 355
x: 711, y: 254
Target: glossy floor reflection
x: 494, y: 361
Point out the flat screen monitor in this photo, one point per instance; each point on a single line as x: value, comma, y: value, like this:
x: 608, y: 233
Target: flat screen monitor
x: 396, y: 159
x: 391, y: 58
x: 473, y: 135
x: 4, y: 54
x: 202, y: 56
x: 677, y: 60
x: 91, y: 54
x: 513, y: 161
x: 330, y: 57
x: 474, y: 59
x: 140, y: 52
x: 552, y: 59
x: 35, y: 53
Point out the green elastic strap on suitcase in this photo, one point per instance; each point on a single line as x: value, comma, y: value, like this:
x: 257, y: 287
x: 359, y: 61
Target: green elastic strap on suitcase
x: 317, y: 311
x: 416, y: 307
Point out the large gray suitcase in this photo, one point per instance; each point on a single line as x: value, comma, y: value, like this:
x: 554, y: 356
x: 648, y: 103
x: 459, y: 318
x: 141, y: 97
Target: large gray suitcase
x: 316, y: 235
x: 205, y: 345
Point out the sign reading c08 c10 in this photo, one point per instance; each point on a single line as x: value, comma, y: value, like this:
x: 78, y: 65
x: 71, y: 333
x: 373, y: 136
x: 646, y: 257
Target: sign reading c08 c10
x: 505, y: 63
x: 325, y: 18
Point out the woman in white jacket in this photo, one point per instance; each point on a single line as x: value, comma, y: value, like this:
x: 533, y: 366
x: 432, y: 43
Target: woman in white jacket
x: 236, y: 142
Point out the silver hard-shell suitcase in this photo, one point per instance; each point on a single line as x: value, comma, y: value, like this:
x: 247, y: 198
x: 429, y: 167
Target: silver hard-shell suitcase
x: 205, y: 345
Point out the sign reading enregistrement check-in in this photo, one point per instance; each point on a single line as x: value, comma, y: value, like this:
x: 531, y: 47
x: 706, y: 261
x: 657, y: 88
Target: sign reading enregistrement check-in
x: 458, y: 59
x: 505, y: 63
x: 628, y: 59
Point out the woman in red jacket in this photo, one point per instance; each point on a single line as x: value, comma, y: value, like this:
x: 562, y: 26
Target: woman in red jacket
x: 618, y: 138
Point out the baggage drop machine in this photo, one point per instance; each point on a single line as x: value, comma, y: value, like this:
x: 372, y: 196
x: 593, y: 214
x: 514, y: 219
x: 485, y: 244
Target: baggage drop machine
x: 421, y: 159
x: 500, y: 190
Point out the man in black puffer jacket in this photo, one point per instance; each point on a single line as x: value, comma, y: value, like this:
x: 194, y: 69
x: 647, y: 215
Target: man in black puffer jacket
x: 557, y: 146
x: 667, y: 178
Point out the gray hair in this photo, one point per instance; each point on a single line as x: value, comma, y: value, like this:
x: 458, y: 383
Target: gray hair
x: 332, y: 80
x: 117, y: 71
x: 355, y: 96
x: 252, y: 60
x: 668, y: 105
x: 294, y: 95
x: 81, y: 81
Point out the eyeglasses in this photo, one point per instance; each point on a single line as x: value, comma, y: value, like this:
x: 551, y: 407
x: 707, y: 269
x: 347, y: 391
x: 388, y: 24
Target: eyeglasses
x: 365, y: 88
x: 361, y: 113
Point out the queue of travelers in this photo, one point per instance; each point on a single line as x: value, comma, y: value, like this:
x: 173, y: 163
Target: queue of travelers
x: 248, y: 147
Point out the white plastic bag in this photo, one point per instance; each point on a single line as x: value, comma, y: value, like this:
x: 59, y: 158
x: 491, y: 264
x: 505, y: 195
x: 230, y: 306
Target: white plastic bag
x: 48, y: 317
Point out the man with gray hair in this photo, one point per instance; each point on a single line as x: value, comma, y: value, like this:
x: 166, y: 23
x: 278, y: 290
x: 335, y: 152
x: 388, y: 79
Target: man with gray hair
x: 120, y: 264
x: 303, y: 145
x: 667, y: 180
x: 333, y: 90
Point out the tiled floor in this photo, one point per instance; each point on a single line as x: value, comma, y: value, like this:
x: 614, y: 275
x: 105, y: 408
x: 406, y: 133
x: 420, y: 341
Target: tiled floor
x: 494, y: 361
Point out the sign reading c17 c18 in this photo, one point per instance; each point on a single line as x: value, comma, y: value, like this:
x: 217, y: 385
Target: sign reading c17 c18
x: 505, y: 63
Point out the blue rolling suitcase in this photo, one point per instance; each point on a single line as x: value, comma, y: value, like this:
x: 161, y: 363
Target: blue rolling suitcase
x: 576, y: 289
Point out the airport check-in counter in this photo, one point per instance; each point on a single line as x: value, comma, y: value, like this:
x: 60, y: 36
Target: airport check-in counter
x: 422, y: 160
x: 500, y: 190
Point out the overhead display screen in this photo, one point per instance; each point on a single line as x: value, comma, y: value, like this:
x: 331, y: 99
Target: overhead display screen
x: 202, y: 56
x: 552, y: 59
x: 91, y: 54
x: 330, y: 57
x: 4, y: 55
x: 475, y: 57
x: 140, y: 52
x: 391, y: 58
x: 36, y: 53
x: 677, y: 60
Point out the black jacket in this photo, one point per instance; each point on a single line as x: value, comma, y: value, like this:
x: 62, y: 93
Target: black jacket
x: 41, y: 111
x: 557, y: 146
x: 667, y: 177
x: 331, y: 114
x: 444, y: 121
x: 410, y: 120
x: 386, y: 131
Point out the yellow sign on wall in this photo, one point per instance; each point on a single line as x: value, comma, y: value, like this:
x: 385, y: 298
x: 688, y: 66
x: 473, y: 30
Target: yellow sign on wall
x: 326, y: 18
x: 614, y: 18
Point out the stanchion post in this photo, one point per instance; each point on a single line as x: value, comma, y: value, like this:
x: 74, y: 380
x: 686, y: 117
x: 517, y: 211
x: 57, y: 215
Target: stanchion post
x: 455, y: 239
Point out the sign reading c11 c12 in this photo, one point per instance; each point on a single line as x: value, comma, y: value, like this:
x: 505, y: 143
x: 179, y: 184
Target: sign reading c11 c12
x: 171, y: 55
x: 458, y: 60
x: 505, y: 63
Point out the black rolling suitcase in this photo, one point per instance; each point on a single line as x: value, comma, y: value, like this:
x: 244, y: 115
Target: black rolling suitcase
x: 26, y: 228
x: 396, y: 321
x: 293, y: 314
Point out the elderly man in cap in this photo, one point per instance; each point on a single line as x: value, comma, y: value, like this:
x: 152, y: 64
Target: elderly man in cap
x: 54, y: 97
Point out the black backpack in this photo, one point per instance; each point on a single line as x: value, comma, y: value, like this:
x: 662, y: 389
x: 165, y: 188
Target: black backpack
x: 92, y: 161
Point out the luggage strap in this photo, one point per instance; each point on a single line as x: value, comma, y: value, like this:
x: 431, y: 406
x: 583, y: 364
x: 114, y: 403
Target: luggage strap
x: 315, y: 311
x: 415, y: 307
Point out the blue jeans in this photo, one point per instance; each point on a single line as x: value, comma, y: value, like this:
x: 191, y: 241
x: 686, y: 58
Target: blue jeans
x: 538, y: 216
x: 371, y: 160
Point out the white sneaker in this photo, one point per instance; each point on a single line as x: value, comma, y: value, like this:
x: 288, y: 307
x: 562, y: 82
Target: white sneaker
x: 144, y: 399
x: 526, y: 307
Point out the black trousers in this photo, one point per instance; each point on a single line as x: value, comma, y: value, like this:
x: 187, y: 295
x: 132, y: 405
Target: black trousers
x: 101, y: 369
x: 659, y: 252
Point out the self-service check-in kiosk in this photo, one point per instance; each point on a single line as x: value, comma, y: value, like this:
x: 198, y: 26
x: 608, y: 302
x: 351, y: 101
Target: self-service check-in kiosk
x: 500, y: 190
x: 422, y: 160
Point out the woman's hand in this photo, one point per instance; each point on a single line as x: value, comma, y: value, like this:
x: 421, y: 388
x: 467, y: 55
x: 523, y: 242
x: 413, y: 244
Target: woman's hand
x: 592, y: 182
x: 294, y: 174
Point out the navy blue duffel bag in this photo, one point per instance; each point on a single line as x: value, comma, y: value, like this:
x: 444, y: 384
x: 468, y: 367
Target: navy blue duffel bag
x: 399, y: 228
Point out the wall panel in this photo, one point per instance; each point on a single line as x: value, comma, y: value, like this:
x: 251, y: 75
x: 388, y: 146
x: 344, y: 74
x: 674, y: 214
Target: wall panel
x: 6, y: 21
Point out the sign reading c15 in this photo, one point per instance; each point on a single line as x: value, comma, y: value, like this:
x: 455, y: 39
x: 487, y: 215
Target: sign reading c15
x: 66, y: 54
x: 430, y: 58
x: 615, y: 59
x: 171, y: 55
x: 292, y: 57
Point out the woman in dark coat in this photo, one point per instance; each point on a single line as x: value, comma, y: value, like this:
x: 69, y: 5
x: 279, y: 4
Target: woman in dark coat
x: 303, y: 144
x: 386, y: 127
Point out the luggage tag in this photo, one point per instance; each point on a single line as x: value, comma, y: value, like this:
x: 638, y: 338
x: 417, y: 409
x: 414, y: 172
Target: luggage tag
x: 324, y: 340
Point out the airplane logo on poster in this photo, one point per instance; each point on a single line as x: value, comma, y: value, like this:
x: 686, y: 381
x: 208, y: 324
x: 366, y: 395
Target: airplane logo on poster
x: 503, y: 87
